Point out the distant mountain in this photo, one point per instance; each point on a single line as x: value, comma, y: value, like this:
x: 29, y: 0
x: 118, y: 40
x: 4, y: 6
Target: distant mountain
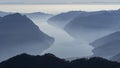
x: 2, y: 14
x: 33, y: 16
x: 62, y: 19
x: 116, y: 58
x: 51, y: 61
x: 94, y: 24
x: 19, y: 34
x: 107, y: 46
x: 38, y: 16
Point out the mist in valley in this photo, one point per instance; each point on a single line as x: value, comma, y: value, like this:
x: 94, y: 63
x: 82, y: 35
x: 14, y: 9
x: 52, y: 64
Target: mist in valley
x: 68, y: 42
x: 65, y: 46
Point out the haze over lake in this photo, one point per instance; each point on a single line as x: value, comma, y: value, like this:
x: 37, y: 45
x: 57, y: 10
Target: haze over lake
x: 64, y: 45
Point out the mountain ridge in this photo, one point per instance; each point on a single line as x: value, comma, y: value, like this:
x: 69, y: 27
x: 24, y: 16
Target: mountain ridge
x: 51, y: 61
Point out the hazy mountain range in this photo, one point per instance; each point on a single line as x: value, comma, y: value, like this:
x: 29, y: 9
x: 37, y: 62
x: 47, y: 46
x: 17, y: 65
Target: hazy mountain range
x: 62, y: 19
x: 40, y: 16
x: 33, y: 15
x: 94, y: 25
x: 99, y: 28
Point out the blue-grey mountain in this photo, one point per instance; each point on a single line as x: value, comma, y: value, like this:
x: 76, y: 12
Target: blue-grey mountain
x: 62, y: 19
x: 41, y: 17
x: 94, y: 24
x: 107, y: 46
x: 19, y: 34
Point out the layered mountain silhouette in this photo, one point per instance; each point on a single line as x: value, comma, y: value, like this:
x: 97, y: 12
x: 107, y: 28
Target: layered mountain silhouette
x: 51, y: 61
x: 62, y: 19
x: 33, y: 16
x: 107, y: 46
x: 19, y: 34
x: 90, y: 24
x: 38, y: 16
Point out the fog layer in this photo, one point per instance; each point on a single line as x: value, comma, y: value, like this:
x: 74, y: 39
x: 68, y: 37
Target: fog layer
x: 64, y: 45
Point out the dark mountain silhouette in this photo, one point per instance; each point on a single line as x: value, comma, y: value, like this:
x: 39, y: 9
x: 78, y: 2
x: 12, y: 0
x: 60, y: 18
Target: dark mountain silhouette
x: 38, y: 16
x: 107, y: 46
x: 51, y: 61
x: 93, y: 23
x: 29, y: 61
x: 62, y: 19
x: 19, y: 34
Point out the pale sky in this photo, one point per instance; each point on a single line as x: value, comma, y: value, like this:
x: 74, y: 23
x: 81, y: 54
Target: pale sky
x: 53, y: 1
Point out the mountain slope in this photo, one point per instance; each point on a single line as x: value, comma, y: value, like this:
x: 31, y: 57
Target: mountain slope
x: 107, y: 46
x: 19, y: 34
x: 38, y: 16
x: 62, y: 19
x: 94, y: 24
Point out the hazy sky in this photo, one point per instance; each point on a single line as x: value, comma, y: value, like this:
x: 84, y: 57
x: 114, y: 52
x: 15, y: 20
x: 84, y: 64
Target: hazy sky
x: 53, y: 1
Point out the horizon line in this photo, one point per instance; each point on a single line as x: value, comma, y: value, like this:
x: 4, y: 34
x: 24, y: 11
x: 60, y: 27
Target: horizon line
x: 73, y: 3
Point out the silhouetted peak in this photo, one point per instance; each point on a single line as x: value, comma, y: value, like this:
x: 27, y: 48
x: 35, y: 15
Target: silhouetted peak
x: 15, y: 16
x: 49, y: 55
x: 24, y: 54
x: 36, y: 13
